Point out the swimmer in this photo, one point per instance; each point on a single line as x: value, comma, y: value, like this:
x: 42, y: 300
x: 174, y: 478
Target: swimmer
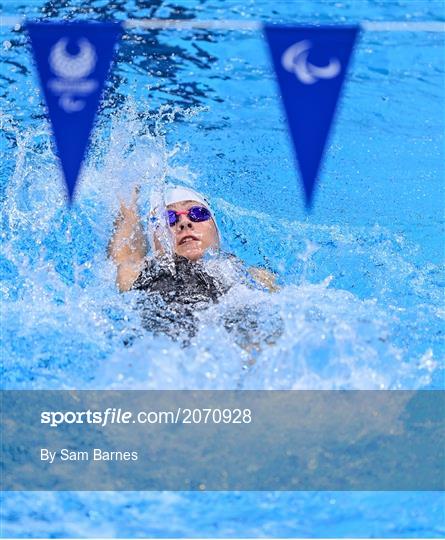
x: 193, y: 230
x: 176, y: 287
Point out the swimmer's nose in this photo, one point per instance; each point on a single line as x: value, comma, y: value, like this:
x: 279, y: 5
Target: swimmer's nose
x: 184, y: 223
x: 183, y: 226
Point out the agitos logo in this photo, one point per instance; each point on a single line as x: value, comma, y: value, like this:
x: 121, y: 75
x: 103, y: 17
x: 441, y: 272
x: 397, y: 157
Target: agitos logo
x: 295, y: 60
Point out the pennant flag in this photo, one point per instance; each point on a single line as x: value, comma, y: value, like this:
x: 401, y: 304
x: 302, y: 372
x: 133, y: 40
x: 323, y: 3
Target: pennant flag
x: 310, y: 64
x: 73, y: 60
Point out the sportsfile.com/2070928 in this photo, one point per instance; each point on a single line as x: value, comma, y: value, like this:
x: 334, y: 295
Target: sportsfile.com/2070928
x: 181, y: 415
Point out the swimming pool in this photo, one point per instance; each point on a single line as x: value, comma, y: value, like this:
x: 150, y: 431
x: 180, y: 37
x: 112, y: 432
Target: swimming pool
x: 361, y: 276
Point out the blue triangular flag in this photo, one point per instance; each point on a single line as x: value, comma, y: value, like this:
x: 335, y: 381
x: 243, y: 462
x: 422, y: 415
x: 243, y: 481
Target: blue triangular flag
x: 310, y: 64
x: 73, y: 60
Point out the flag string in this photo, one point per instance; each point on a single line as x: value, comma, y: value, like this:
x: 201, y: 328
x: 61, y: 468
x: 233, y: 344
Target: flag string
x: 240, y: 25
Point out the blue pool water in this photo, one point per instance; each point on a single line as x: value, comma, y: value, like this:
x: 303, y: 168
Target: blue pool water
x: 361, y: 277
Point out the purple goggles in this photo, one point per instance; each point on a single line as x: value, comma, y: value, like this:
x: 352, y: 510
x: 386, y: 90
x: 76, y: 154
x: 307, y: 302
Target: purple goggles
x: 195, y: 214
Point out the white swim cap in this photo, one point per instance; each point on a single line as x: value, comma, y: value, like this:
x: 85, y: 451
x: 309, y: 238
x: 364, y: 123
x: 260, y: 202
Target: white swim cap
x: 175, y: 194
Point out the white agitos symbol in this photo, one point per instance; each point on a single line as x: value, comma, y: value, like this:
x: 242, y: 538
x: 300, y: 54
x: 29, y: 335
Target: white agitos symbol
x: 294, y: 59
x: 72, y: 71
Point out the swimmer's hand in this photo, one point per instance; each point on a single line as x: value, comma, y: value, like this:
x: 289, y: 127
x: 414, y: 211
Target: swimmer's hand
x: 127, y: 247
x: 264, y: 277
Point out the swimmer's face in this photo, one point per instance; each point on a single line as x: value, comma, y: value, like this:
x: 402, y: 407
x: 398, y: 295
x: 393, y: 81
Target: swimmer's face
x: 192, y: 239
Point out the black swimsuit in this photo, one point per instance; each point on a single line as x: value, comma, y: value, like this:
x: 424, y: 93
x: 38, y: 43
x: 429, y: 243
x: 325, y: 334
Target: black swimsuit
x: 179, y: 280
x: 173, y: 290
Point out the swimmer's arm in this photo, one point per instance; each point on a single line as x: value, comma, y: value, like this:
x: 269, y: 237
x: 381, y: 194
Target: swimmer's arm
x: 127, y: 246
x: 263, y: 276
